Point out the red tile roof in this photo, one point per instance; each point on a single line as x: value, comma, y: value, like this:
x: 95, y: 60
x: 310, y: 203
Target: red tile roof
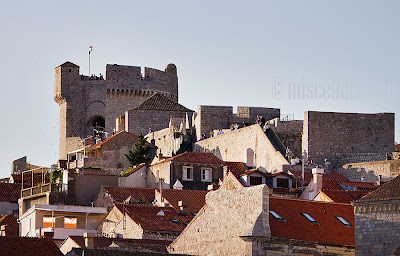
x: 134, y: 137
x: 133, y: 170
x: 102, y: 242
x: 147, y: 218
x: 388, y: 191
x: 256, y: 170
x: 236, y: 168
x: 26, y: 246
x: 137, y: 194
x: 10, y: 192
x: 359, y: 184
x: 11, y: 222
x: 308, y: 176
x: 331, y: 185
x: 195, y: 198
x: 195, y: 157
x: 338, y: 196
x: 296, y: 226
x: 159, y: 102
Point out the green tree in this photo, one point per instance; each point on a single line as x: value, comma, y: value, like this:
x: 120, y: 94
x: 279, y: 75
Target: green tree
x: 138, y: 156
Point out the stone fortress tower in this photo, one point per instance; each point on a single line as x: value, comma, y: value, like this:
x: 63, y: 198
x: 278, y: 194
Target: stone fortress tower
x: 87, y: 102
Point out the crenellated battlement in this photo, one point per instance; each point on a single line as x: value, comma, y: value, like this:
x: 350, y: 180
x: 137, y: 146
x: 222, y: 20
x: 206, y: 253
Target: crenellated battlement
x: 87, y: 99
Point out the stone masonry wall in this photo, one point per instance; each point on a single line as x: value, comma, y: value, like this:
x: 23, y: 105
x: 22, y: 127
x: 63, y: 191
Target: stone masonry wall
x: 82, y: 100
x: 290, y: 133
x: 377, y: 228
x: 232, y: 146
x: 221, y: 117
x: 142, y: 120
x: 370, y: 171
x: 328, y: 135
x: 227, y: 215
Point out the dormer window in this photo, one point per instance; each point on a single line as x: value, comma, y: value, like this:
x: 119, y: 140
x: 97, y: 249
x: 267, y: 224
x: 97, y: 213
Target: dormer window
x: 175, y: 221
x: 310, y: 218
x: 343, y: 221
x: 187, y: 173
x: 276, y: 215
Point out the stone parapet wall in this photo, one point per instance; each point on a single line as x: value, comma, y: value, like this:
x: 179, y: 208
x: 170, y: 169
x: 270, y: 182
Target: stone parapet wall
x: 227, y: 215
x: 233, y: 145
x: 377, y: 229
x: 328, y: 135
x: 370, y: 171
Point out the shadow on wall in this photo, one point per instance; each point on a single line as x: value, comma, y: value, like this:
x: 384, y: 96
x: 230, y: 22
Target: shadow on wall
x: 359, y: 174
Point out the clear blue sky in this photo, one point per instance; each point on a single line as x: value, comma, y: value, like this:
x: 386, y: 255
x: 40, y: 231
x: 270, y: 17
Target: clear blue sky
x: 231, y: 53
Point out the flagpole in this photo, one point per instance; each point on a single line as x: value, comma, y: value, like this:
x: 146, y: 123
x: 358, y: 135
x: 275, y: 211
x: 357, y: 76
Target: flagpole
x: 89, y: 63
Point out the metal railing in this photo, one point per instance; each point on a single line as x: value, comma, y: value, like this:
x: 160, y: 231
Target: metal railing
x: 43, y: 188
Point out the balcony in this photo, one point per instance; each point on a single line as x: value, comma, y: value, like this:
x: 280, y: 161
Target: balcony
x: 63, y: 233
x: 44, y: 188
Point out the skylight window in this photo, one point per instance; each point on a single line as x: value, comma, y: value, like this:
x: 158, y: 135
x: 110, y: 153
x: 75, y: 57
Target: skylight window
x: 276, y: 215
x: 194, y: 213
x: 343, y: 221
x: 310, y: 218
x: 175, y: 221
x: 185, y: 223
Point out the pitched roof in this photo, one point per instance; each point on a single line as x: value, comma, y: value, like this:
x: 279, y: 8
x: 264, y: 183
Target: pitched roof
x: 256, y: 170
x: 194, y: 157
x: 112, y: 252
x: 101, y: 242
x: 196, y: 199
x: 308, y: 176
x: 159, y: 102
x: 133, y: 170
x: 10, y: 192
x: 338, y: 196
x: 137, y: 194
x: 388, y: 191
x: 27, y: 246
x: 236, y: 168
x: 11, y: 221
x: 134, y: 137
x: 69, y: 64
x: 359, y: 184
x: 147, y: 218
x: 296, y: 226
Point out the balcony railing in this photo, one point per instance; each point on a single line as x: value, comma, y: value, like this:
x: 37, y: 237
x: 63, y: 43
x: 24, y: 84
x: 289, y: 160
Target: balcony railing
x: 43, y: 188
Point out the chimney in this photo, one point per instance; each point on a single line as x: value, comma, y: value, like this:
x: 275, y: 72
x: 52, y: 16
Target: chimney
x: 89, y: 240
x: 5, y: 230
x: 183, y: 207
x: 317, y: 178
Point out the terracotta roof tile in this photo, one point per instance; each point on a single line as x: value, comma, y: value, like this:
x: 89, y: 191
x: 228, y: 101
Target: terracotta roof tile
x: 338, y: 196
x: 137, y: 194
x: 10, y: 192
x: 331, y: 185
x: 11, y: 221
x: 359, y: 184
x: 195, y: 198
x: 256, y: 170
x: 102, y: 242
x: 159, y: 102
x: 26, y: 246
x: 147, y: 218
x: 133, y: 170
x: 308, y: 176
x: 296, y: 226
x: 194, y: 157
x: 236, y: 168
x: 388, y: 191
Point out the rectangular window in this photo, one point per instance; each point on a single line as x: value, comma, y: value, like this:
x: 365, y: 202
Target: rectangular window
x: 49, y: 222
x: 206, y: 174
x: 282, y: 183
x: 70, y: 222
x: 343, y: 221
x: 310, y: 195
x: 310, y: 218
x: 255, y: 180
x: 187, y: 173
x: 276, y: 215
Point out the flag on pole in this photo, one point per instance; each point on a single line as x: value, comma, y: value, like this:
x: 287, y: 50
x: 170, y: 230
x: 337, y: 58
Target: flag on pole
x: 90, y: 49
